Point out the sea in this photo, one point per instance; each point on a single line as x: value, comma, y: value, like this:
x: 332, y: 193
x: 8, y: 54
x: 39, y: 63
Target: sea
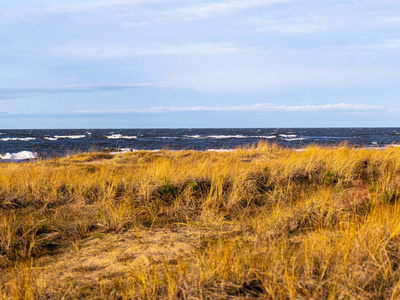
x: 19, y: 145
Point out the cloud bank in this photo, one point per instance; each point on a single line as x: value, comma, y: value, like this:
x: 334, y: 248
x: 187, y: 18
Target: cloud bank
x: 266, y: 107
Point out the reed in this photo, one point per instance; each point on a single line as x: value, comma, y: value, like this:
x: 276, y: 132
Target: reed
x: 323, y: 222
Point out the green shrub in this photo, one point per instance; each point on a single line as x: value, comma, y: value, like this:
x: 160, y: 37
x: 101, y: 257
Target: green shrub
x: 329, y: 177
x: 167, y: 188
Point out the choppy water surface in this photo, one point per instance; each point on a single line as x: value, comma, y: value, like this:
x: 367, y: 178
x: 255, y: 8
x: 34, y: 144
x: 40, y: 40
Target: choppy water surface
x: 23, y: 144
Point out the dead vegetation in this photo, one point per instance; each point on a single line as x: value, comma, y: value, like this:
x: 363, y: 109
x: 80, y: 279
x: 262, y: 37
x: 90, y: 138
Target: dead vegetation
x: 265, y: 221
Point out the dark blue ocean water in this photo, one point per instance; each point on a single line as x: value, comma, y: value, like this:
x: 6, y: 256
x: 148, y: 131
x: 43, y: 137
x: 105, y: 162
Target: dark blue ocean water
x: 52, y: 142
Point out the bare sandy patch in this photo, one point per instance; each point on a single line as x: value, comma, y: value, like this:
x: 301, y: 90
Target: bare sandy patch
x: 99, y: 258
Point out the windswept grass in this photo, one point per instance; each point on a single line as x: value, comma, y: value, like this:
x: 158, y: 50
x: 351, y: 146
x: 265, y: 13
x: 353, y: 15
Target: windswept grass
x: 261, y: 221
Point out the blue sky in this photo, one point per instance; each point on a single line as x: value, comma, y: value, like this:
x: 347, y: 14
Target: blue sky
x: 169, y: 63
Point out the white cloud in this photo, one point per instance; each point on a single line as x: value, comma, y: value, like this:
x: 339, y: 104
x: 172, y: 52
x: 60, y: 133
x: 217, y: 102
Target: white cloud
x: 329, y: 107
x: 266, y: 107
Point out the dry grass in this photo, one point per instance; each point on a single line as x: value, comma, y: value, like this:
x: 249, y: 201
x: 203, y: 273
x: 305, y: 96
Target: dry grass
x: 269, y: 222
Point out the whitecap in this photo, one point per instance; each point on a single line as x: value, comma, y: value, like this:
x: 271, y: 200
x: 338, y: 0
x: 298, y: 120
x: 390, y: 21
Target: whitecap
x: 18, y: 139
x: 120, y: 136
x: 78, y: 136
x: 288, y: 135
x: 226, y: 136
x: 196, y: 136
x: 19, y: 155
x: 50, y: 138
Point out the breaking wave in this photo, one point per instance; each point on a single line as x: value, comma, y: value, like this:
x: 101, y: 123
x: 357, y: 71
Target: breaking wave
x: 23, y: 155
x: 288, y: 135
x: 120, y: 136
x: 18, y: 139
x: 56, y: 137
x: 78, y: 136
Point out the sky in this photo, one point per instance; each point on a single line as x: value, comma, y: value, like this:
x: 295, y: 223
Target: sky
x: 199, y: 63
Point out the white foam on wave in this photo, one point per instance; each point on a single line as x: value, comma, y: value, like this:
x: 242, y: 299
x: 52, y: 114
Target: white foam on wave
x: 18, y: 139
x: 241, y: 136
x: 196, y: 136
x: 120, y: 136
x: 288, y: 135
x: 226, y: 136
x: 19, y: 155
x: 50, y: 138
x: 78, y: 136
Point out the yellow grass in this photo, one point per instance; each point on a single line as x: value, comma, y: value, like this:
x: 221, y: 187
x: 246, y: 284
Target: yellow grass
x: 261, y: 221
